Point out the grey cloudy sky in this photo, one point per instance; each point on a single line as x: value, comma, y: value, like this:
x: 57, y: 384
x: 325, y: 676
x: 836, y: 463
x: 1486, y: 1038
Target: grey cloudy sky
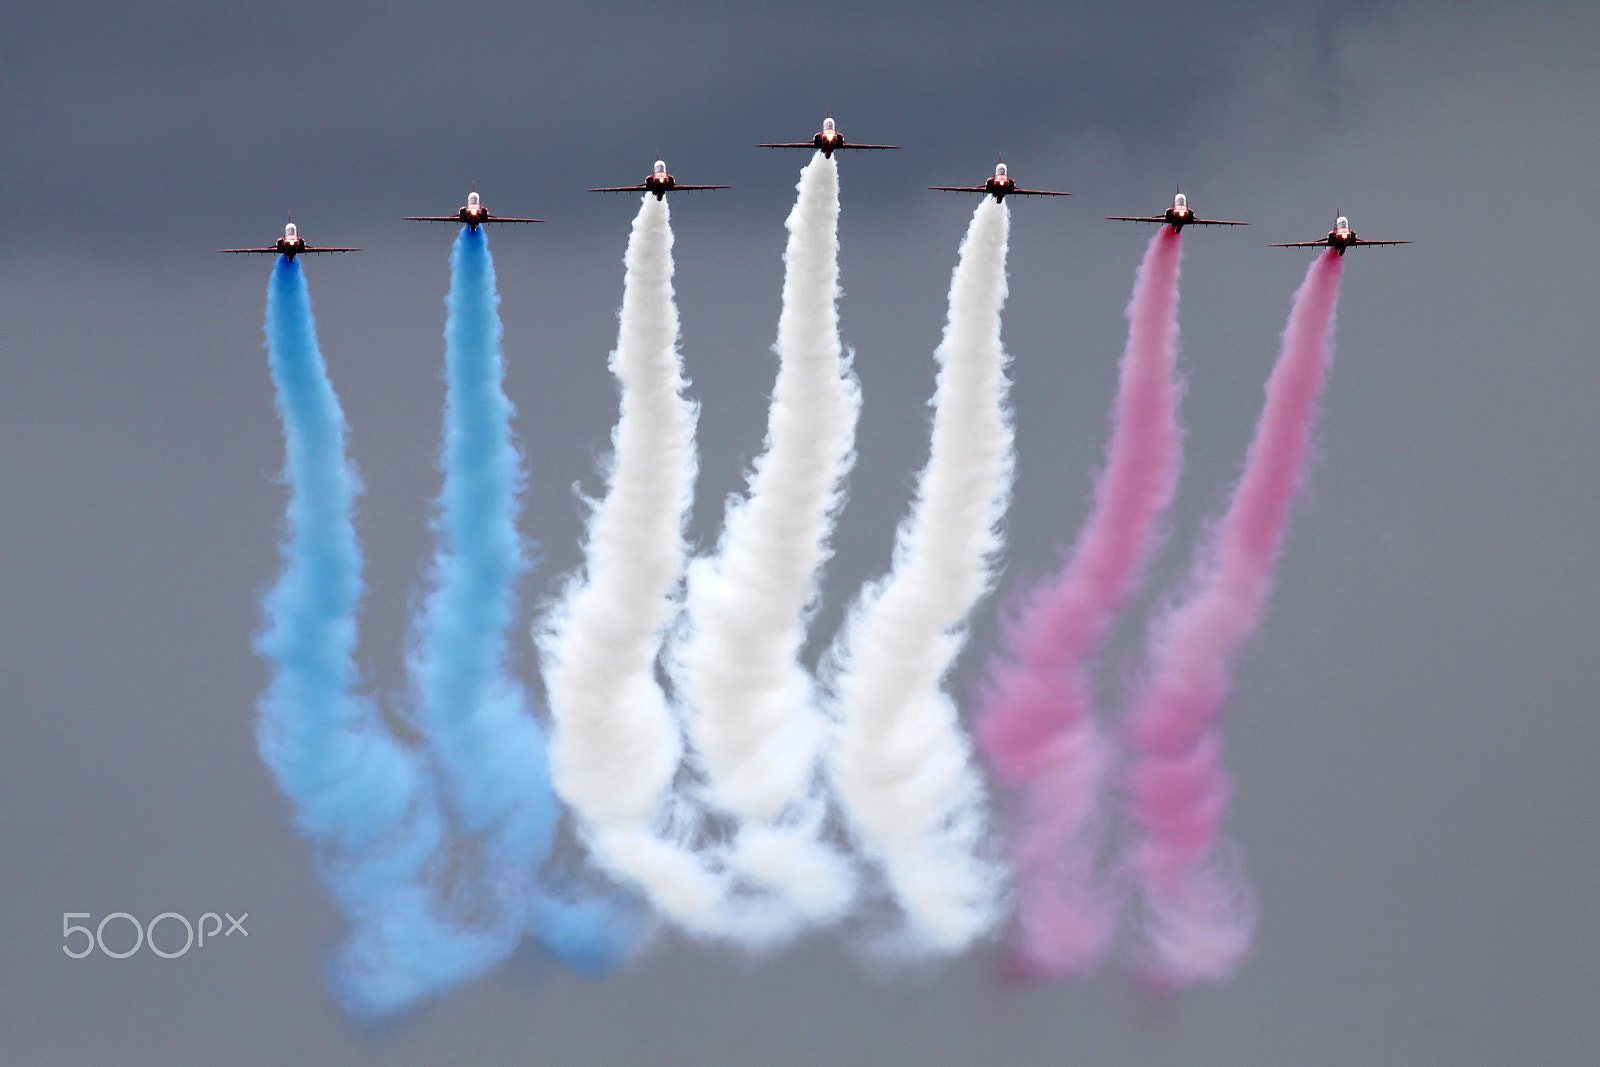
x: 1412, y: 736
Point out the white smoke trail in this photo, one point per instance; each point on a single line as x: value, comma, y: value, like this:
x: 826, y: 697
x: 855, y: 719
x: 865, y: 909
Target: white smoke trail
x: 751, y: 706
x: 615, y: 746
x: 901, y: 764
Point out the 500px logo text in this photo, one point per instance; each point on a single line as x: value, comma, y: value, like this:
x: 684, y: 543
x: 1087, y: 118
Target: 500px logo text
x: 170, y: 923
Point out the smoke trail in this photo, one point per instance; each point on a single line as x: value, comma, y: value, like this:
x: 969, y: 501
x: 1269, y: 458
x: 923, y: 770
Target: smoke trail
x: 1200, y: 913
x: 754, y: 718
x: 901, y: 764
x: 615, y: 747
x: 358, y: 795
x: 488, y: 748
x: 1037, y: 725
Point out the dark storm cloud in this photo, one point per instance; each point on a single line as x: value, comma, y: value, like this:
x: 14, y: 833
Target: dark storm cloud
x: 206, y: 105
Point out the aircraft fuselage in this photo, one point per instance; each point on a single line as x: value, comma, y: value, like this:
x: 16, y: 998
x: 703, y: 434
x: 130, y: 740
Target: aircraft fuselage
x: 998, y: 186
x: 826, y: 141
x: 290, y: 246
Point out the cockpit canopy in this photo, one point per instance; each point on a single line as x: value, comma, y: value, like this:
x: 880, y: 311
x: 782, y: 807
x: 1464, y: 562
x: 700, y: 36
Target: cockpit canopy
x: 290, y: 231
x: 827, y: 125
x: 999, y: 170
x: 1180, y: 201
x: 1341, y: 223
x: 472, y: 199
x: 661, y: 168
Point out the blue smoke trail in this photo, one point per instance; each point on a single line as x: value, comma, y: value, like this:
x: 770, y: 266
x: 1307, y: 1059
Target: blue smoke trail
x: 362, y: 799
x: 489, y: 749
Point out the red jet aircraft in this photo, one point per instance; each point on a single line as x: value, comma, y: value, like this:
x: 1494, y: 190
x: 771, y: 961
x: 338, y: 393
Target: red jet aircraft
x: 1000, y: 186
x: 1178, y: 216
x: 1339, y: 238
x: 289, y: 245
x: 828, y: 141
x: 472, y: 215
x: 660, y: 183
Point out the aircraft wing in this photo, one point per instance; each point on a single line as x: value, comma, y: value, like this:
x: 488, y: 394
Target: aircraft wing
x: 812, y: 144
x: 1214, y: 222
x: 694, y: 188
x: 457, y: 218
x: 1035, y: 192
x: 622, y: 189
x: 1363, y: 241
x: 1304, y: 244
x: 256, y: 251
x: 308, y: 250
x: 960, y: 188
x: 1137, y: 218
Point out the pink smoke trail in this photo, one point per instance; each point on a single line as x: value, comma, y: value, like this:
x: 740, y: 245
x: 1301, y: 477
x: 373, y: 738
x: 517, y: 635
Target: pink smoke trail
x: 1037, y: 726
x: 1199, y: 910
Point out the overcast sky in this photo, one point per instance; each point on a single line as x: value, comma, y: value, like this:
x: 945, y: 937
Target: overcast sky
x: 1412, y: 736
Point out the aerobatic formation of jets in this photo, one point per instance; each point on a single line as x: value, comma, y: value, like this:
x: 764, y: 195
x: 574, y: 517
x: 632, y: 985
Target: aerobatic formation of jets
x: 828, y: 140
